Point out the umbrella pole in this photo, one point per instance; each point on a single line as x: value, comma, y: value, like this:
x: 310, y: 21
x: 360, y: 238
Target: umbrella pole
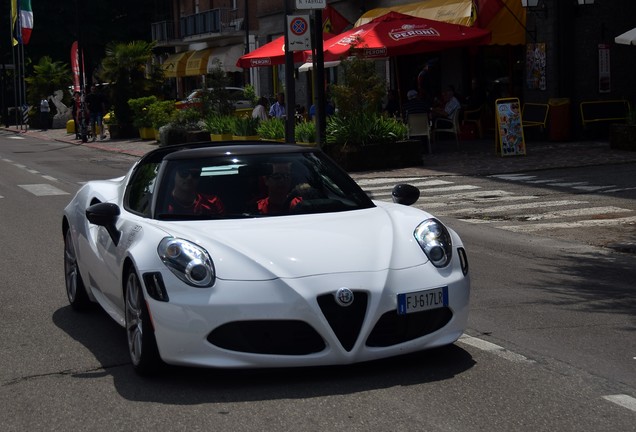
x: 398, y: 81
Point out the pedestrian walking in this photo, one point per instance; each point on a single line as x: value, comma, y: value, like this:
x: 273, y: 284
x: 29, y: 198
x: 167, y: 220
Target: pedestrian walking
x: 45, y: 111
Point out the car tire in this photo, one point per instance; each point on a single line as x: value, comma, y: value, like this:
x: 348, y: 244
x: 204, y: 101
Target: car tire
x: 142, y: 345
x: 75, y: 289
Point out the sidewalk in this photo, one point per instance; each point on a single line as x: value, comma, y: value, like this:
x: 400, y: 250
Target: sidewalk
x: 475, y: 157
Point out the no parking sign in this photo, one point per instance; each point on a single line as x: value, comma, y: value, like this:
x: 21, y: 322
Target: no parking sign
x: 298, y: 32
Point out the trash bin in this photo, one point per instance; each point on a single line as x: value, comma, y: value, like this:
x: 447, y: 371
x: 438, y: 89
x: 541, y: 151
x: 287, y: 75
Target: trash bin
x: 559, y: 119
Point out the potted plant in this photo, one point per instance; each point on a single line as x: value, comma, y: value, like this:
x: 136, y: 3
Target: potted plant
x: 272, y: 129
x: 110, y: 123
x: 245, y: 128
x: 219, y: 127
x: 160, y: 113
x: 305, y: 133
x: 141, y: 117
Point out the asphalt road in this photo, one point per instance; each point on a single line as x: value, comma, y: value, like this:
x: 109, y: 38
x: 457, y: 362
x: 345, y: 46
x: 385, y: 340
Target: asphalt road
x: 550, y: 344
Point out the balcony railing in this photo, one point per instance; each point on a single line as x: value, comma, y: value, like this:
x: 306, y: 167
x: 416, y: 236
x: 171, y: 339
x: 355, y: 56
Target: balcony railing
x: 212, y: 21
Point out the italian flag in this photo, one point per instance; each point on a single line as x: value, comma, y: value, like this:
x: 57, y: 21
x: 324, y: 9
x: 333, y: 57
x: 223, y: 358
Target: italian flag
x: 22, y: 18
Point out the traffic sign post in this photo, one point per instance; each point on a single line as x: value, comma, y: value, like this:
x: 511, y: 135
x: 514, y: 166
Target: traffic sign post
x: 299, y: 32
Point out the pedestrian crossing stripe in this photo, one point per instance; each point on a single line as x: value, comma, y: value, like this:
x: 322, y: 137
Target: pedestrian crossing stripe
x: 43, y: 189
x: 446, y: 198
x: 567, y: 225
x: 557, y: 182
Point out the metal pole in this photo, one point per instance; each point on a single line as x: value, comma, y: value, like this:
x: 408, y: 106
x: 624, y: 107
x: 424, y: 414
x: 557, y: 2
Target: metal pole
x: 290, y: 85
x: 319, y: 81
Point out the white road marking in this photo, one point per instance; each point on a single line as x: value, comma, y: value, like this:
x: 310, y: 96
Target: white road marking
x: 395, y: 180
x: 49, y: 178
x: 43, y: 189
x: 567, y: 225
x: 623, y: 400
x: 494, y: 349
x: 17, y: 137
x: 32, y: 171
x: 591, y: 188
x: 416, y: 184
x: 577, y: 212
x: 504, y: 208
x: 451, y: 188
x: 514, y: 177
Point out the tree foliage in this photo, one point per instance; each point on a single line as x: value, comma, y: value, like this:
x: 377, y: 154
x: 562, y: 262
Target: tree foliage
x: 48, y: 76
x: 124, y: 68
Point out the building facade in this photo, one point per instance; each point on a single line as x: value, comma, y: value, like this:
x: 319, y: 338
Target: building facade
x: 560, y: 51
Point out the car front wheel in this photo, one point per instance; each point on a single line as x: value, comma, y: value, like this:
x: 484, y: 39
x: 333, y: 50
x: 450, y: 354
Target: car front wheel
x: 75, y: 290
x: 142, y: 345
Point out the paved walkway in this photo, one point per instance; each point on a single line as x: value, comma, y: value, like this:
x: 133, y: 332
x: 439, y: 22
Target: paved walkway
x: 475, y: 157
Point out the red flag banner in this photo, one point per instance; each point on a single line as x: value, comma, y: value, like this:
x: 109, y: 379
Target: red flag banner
x: 333, y: 22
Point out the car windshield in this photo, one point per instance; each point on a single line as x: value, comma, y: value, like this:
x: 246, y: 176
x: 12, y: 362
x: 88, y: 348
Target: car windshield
x: 249, y: 186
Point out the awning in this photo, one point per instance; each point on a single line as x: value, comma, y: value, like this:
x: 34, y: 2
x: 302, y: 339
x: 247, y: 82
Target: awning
x: 198, y: 63
x: 627, y: 38
x: 305, y: 67
x: 227, y: 57
x: 504, y: 18
x: 175, y: 65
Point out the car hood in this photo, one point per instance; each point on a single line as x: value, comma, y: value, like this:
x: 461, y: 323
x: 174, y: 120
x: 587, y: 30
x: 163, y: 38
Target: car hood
x: 367, y: 240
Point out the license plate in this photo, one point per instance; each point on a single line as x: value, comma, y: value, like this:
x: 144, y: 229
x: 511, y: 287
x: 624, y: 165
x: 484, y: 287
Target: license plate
x: 422, y: 300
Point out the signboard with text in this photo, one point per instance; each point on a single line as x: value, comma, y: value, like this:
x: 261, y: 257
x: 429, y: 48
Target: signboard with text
x: 509, y: 139
x: 311, y: 4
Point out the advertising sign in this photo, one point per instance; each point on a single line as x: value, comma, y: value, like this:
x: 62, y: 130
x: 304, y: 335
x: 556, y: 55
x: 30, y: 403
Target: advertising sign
x: 510, y: 140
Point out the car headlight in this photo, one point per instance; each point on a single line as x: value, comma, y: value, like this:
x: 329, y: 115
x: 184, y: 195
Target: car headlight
x: 188, y: 261
x: 435, y: 241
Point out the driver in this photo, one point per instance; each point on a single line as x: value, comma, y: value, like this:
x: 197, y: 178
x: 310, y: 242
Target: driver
x: 184, y: 198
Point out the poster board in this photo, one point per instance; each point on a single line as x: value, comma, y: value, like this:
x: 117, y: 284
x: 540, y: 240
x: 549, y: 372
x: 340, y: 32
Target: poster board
x: 509, y: 131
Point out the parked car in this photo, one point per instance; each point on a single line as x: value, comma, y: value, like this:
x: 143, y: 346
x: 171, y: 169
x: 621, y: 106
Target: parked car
x: 228, y: 280
x: 236, y: 94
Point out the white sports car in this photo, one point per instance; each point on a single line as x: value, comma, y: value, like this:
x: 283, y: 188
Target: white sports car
x: 261, y: 255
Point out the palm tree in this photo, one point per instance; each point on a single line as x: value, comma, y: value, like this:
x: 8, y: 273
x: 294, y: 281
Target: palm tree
x: 124, y: 67
x: 47, y: 77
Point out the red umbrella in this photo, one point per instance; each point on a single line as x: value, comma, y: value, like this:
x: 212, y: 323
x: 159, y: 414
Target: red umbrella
x: 272, y: 53
x: 397, y: 34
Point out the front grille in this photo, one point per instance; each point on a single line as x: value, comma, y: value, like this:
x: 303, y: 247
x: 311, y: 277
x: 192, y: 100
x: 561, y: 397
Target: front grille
x: 392, y: 329
x: 281, y: 337
x: 345, y: 322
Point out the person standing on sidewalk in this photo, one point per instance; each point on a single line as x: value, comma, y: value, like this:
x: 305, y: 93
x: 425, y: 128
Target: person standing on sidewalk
x: 96, y: 107
x: 45, y: 111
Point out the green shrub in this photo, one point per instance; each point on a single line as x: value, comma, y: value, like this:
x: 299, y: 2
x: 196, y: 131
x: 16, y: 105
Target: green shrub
x: 219, y: 124
x: 305, y: 132
x: 245, y: 126
x: 160, y: 113
x: 363, y: 129
x: 273, y: 129
x: 139, y: 109
x: 189, y: 119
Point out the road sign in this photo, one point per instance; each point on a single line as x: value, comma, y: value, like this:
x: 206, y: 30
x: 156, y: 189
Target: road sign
x: 298, y: 32
x: 311, y: 4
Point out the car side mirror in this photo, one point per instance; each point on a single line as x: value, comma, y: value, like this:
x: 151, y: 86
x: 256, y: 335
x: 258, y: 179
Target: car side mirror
x: 105, y: 214
x: 405, y: 194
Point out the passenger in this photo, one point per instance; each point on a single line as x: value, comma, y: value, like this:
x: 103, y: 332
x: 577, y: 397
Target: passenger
x: 278, y: 186
x: 185, y: 199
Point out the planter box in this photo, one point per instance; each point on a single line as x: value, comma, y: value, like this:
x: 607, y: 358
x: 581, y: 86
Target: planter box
x: 221, y: 137
x: 147, y: 133
x: 623, y: 137
x: 397, y: 154
x: 245, y: 137
x: 197, y: 136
